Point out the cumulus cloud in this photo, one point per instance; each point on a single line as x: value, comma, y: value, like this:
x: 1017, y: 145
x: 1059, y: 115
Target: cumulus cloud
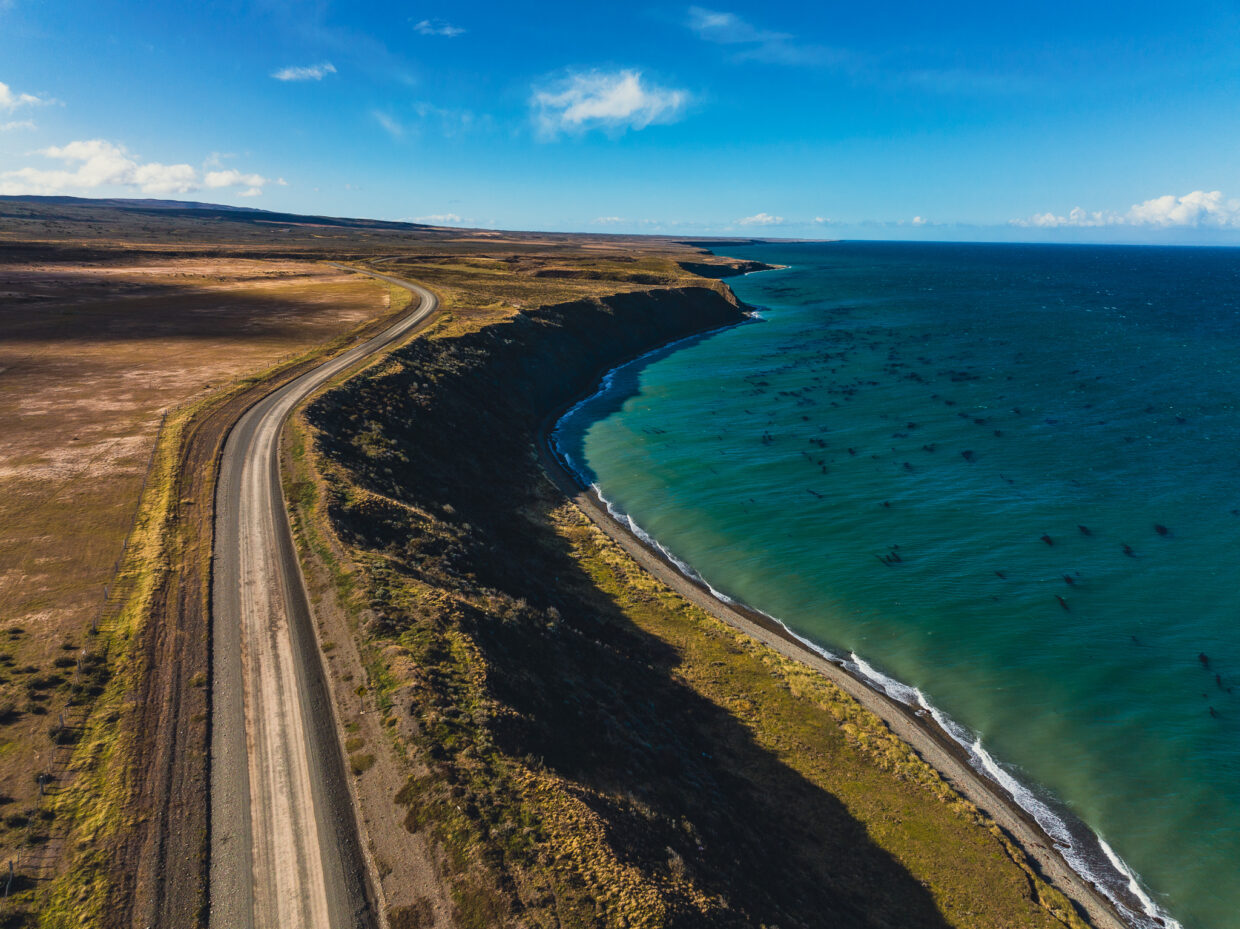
x: 607, y: 220
x: 96, y: 163
x: 761, y: 219
x: 1193, y: 209
x: 308, y: 73
x: 1196, y: 209
x: 10, y: 101
x: 918, y: 221
x: 1075, y: 217
x: 438, y: 27
x: 233, y: 178
x: 93, y: 163
x: 439, y: 219
x: 615, y: 100
x: 16, y: 124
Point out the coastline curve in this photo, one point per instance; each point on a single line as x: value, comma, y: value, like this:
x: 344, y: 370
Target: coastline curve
x: 1067, y: 852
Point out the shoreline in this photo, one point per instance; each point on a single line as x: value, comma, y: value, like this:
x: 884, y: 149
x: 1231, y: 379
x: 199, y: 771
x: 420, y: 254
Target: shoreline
x: 918, y: 727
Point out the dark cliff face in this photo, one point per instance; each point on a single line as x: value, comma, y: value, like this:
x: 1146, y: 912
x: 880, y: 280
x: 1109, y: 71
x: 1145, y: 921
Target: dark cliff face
x: 731, y: 269
x: 477, y: 399
x: 433, y: 480
x: 545, y: 365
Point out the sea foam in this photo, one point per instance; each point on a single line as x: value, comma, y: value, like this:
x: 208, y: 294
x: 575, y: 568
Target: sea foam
x: 1112, y: 885
x: 1108, y: 873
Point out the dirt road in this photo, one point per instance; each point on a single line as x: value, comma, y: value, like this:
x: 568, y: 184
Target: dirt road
x: 284, y: 841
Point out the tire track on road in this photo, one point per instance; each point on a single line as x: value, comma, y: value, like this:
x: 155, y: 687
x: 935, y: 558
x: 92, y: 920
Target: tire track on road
x: 285, y: 848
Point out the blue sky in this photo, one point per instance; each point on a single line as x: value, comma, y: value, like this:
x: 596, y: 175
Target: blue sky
x: 1046, y: 121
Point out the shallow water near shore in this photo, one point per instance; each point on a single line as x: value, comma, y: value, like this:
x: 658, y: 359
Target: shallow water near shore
x: 1006, y: 476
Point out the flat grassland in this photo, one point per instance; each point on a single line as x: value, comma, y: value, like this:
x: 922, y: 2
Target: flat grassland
x: 92, y: 355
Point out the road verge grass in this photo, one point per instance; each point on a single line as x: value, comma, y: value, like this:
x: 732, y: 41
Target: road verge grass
x: 101, y: 806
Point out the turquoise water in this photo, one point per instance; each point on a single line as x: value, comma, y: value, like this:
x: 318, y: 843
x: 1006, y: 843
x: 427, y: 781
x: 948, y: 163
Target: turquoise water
x: 879, y: 462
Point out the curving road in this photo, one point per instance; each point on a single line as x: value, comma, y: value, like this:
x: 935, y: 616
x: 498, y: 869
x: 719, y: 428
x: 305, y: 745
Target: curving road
x: 284, y: 841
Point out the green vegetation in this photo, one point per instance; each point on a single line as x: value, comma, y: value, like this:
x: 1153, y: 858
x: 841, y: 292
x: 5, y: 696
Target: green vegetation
x: 588, y: 748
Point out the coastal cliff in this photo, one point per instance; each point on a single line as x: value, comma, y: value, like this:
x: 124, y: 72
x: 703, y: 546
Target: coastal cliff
x: 584, y: 746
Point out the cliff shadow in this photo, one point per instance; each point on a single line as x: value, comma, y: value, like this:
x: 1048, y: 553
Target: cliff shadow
x: 678, y: 781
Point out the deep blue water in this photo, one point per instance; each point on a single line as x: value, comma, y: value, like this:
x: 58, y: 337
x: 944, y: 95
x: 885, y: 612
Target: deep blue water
x: 881, y: 460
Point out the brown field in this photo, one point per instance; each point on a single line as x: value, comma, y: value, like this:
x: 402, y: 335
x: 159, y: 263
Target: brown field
x: 92, y: 355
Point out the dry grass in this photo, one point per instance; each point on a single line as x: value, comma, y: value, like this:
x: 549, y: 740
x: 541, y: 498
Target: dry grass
x: 477, y: 289
x: 91, y: 358
x: 589, y: 748
x: 113, y: 313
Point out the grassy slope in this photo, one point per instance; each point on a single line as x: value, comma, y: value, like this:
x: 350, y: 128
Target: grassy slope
x: 588, y: 748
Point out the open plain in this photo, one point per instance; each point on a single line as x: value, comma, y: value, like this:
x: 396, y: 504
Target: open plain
x: 93, y: 357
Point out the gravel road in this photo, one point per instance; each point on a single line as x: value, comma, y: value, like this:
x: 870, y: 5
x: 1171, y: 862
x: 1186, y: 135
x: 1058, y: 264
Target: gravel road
x: 284, y: 840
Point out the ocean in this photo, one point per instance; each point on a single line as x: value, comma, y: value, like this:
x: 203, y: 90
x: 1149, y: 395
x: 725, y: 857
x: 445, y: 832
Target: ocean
x: 999, y: 480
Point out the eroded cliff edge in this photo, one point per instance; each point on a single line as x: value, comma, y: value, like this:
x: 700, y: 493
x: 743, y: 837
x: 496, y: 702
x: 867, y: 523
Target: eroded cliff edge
x: 585, y: 746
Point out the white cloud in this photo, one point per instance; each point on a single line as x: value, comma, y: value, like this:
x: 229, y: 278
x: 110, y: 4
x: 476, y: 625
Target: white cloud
x: 10, y: 101
x: 438, y: 27
x: 1076, y: 217
x: 616, y: 100
x: 918, y: 221
x: 251, y: 192
x: 823, y: 220
x: 607, y: 220
x: 1196, y: 209
x: 233, y: 178
x: 17, y: 124
x: 156, y: 178
x: 389, y: 123
x: 309, y: 73
x: 761, y: 219
x: 439, y: 219
x: 94, y: 163
x: 728, y: 28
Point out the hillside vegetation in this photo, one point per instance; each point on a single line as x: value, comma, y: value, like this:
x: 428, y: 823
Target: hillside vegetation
x: 587, y: 748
